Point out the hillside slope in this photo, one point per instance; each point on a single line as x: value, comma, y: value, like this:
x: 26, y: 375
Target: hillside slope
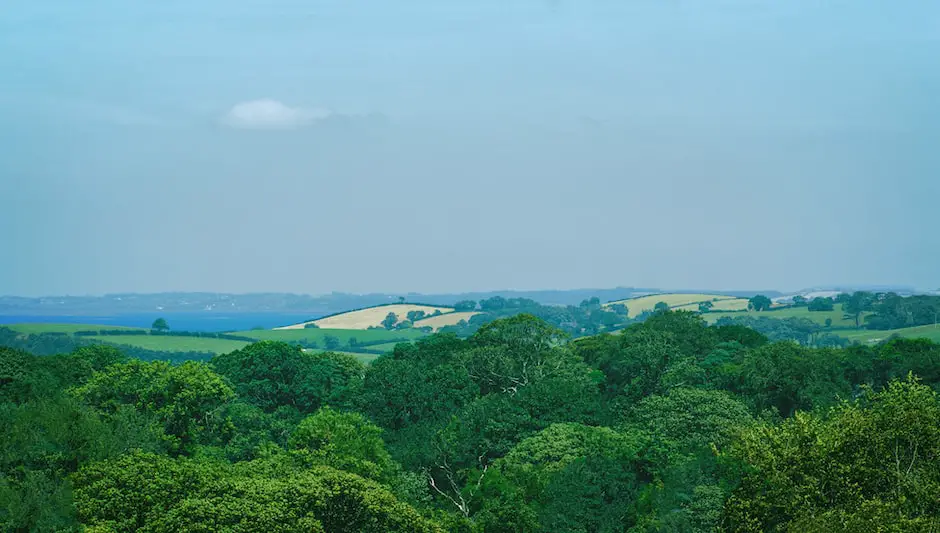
x: 369, y: 317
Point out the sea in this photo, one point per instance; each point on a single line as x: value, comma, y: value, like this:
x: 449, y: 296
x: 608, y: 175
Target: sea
x: 177, y: 321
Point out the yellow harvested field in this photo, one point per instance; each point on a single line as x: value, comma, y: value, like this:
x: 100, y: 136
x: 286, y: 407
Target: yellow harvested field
x: 449, y: 319
x: 731, y: 304
x: 636, y: 306
x: 369, y: 317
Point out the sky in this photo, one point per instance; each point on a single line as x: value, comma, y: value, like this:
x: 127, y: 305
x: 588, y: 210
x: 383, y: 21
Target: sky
x: 314, y: 146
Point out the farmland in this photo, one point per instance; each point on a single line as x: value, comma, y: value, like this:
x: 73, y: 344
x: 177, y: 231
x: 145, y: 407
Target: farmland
x: 447, y: 319
x: 68, y: 329
x: 839, y: 320
x: 170, y: 343
x: 867, y: 336
x: 369, y: 317
x: 318, y: 335
x: 687, y: 301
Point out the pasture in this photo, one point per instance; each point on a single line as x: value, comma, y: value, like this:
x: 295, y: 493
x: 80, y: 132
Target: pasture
x: 69, y: 329
x: 368, y: 317
x: 687, y: 301
x: 448, y: 319
x: 837, y: 316
x: 869, y: 336
x: 318, y: 335
x: 169, y: 343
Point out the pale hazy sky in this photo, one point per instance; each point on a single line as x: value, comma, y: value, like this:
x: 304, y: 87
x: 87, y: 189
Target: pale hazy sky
x: 310, y: 146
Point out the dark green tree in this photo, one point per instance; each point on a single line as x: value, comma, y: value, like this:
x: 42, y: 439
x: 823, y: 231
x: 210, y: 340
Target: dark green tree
x: 465, y: 305
x: 160, y: 324
x: 759, y: 303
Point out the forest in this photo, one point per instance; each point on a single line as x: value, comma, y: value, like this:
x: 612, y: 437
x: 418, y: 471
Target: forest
x: 667, y: 425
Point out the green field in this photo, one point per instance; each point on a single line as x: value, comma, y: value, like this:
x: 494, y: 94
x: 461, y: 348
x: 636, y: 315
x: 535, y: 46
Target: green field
x: 931, y: 332
x: 30, y: 329
x: 317, y: 335
x: 636, y: 306
x: 387, y: 347
x: 836, y: 315
x: 168, y: 343
x: 364, y: 358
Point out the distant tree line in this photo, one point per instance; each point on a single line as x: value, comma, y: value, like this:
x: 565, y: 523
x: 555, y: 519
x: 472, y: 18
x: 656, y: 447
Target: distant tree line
x: 52, y: 343
x: 588, y: 318
x: 164, y: 333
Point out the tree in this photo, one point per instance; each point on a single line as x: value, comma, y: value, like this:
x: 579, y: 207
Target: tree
x: 759, y: 303
x: 347, y: 441
x: 330, y: 342
x: 821, y: 304
x: 496, y: 303
x: 799, y: 301
x: 828, y: 322
x: 858, y: 303
x: 620, y: 309
x: 160, y: 325
x: 401, y: 299
x: 660, y: 307
x: 415, y: 315
x: 184, y: 397
x: 866, y: 465
x: 390, y: 320
x: 146, y: 492
x: 705, y: 307
x: 465, y: 305
x: 311, y: 325
x: 274, y: 375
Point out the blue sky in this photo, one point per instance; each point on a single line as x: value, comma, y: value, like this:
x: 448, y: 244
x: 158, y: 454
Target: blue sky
x: 444, y: 146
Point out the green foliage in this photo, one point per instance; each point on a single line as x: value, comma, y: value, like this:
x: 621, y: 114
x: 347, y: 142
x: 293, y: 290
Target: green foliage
x: 390, y: 320
x: 691, y: 418
x: 759, y: 303
x: 145, y: 492
x: 160, y: 324
x: 185, y: 397
x: 670, y: 425
x: 871, y: 463
x: 276, y: 375
x: 465, y: 305
x: 347, y: 441
x: 821, y: 304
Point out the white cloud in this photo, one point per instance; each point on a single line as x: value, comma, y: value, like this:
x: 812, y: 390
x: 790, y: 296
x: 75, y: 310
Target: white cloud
x: 271, y: 114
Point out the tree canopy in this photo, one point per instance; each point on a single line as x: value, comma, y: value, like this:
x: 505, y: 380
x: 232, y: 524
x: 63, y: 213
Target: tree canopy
x: 668, y: 425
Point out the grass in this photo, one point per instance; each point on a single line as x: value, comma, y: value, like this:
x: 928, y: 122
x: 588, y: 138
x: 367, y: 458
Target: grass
x: 447, y: 319
x: 371, y: 316
x: 30, y: 329
x: 635, y: 306
x: 364, y: 358
x: 931, y: 331
x: 167, y: 343
x: 317, y: 335
x: 387, y: 347
x: 838, y: 322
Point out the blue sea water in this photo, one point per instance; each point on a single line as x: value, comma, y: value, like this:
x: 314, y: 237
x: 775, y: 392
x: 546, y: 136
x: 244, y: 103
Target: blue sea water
x: 177, y: 321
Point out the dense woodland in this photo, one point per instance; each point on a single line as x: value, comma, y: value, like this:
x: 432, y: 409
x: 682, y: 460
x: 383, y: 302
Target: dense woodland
x: 668, y: 426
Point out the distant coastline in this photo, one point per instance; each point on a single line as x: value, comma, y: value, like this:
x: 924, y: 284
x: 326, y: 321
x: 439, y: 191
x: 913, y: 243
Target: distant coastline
x: 191, y: 321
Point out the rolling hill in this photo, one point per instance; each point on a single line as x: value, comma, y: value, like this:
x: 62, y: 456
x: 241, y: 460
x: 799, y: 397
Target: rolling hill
x: 368, y: 317
x: 685, y: 301
x: 447, y: 319
x: 837, y: 316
